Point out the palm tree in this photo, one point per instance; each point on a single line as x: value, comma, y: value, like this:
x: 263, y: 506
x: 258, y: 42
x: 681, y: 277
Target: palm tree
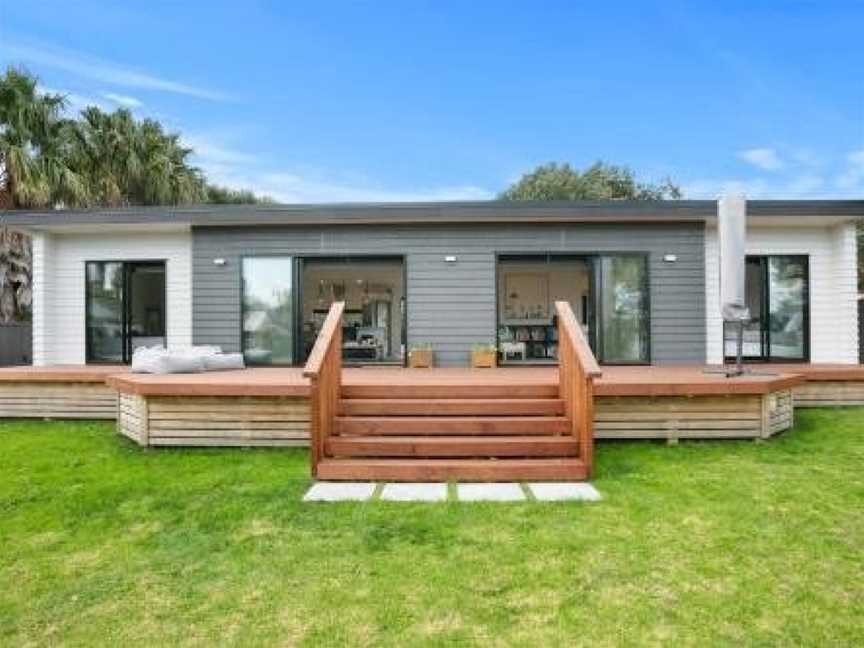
x: 34, y: 169
x: 125, y: 162
x: 15, y: 291
x: 167, y: 177
x: 33, y: 173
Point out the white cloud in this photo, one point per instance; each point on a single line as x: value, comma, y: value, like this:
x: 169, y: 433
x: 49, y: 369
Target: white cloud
x: 796, y: 187
x: 122, y: 100
x: 852, y: 177
x: 290, y: 187
x: 209, y: 150
x: 231, y: 167
x: 762, y: 158
x: 806, y: 175
x: 102, y: 71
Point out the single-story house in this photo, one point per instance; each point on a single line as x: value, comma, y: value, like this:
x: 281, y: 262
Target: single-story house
x: 642, y: 278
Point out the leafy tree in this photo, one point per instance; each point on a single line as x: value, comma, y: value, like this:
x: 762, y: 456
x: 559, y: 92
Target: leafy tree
x: 600, y: 181
x: 225, y: 196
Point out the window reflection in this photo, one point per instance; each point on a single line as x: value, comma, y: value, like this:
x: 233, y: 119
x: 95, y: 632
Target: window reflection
x: 624, y: 309
x: 268, y: 314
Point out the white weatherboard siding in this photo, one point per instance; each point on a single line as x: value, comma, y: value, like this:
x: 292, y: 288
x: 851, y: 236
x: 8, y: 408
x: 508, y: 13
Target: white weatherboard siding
x: 833, y: 286
x: 41, y: 290
x: 59, y: 286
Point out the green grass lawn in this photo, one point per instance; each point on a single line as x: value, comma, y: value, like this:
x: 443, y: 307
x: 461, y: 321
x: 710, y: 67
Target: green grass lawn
x: 729, y: 543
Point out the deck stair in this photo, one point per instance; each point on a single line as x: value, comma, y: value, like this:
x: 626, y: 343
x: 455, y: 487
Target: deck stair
x: 455, y: 435
x: 429, y: 427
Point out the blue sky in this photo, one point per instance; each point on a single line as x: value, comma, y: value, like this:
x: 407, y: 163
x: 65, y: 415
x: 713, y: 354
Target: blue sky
x: 343, y: 101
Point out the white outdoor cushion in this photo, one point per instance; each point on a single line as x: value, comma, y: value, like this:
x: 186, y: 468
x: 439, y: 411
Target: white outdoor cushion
x: 223, y: 362
x: 193, y: 359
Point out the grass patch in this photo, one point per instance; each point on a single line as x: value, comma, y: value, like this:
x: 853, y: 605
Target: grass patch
x: 700, y: 543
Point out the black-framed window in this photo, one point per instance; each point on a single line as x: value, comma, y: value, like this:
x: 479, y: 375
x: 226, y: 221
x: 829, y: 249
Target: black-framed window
x: 268, y: 297
x: 125, y: 308
x: 778, y: 296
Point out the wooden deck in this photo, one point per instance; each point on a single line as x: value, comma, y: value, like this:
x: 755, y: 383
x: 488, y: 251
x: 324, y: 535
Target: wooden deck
x: 259, y: 381
x: 269, y: 406
x: 616, y: 381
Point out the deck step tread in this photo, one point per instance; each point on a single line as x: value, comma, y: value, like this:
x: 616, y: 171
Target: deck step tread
x: 424, y: 391
x: 451, y: 406
x: 412, y: 469
x: 449, y: 425
x: 452, y: 446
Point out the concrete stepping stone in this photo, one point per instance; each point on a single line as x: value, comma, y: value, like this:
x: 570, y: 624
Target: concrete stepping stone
x: 339, y: 492
x: 491, y: 492
x: 564, y: 491
x: 415, y: 492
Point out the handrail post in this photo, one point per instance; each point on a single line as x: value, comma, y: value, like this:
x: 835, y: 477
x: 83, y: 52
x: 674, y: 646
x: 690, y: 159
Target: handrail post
x: 577, y: 369
x: 324, y: 371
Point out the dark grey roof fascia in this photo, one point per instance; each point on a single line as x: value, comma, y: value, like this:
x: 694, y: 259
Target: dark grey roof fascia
x: 438, y: 212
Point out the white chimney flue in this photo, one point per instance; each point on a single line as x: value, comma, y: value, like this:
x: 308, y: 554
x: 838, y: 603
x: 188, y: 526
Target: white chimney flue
x: 732, y: 233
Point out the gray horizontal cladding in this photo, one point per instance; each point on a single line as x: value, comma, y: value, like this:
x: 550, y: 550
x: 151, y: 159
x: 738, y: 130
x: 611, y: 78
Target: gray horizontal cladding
x: 452, y: 305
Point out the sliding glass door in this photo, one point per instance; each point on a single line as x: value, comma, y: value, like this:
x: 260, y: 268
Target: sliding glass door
x: 528, y: 287
x: 373, y: 289
x: 608, y: 294
x: 125, y: 308
x: 623, y: 333
x: 268, y: 310
x: 106, y: 292
x: 777, y: 294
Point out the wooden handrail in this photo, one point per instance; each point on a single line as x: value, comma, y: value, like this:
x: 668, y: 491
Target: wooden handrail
x: 324, y: 371
x: 577, y: 369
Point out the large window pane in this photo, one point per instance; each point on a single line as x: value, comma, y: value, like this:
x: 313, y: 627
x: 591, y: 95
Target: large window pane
x: 623, y: 309
x: 787, y: 277
x: 104, y: 321
x: 268, y: 316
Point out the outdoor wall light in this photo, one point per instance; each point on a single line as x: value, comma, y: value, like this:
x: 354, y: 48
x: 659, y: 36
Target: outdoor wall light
x: 449, y: 259
x: 220, y: 262
x: 670, y: 258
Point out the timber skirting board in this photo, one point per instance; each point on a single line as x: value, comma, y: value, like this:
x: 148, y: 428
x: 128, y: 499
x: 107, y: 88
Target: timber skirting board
x: 829, y: 393
x: 214, y: 420
x: 733, y: 416
x: 60, y: 400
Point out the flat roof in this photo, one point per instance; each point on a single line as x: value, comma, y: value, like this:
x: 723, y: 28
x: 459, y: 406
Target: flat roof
x: 492, y: 211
